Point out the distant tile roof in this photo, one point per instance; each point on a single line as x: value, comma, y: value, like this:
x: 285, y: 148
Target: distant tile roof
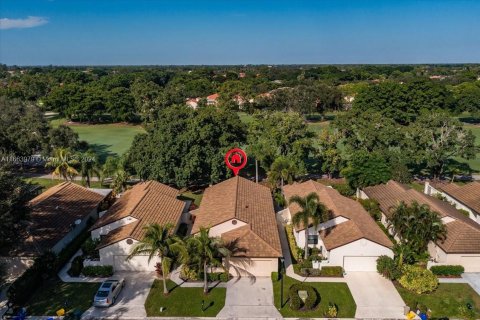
x: 54, y: 212
x: 463, y: 234
x: 468, y: 194
x: 360, y: 224
x: 213, y: 96
x: 242, y: 199
x: 148, y: 202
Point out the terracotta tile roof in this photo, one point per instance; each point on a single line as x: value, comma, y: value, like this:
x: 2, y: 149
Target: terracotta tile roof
x: 463, y: 234
x: 468, y: 194
x: 149, y: 202
x: 255, y: 246
x: 244, y: 200
x: 55, y: 211
x: 360, y: 224
x: 213, y: 96
x: 118, y: 234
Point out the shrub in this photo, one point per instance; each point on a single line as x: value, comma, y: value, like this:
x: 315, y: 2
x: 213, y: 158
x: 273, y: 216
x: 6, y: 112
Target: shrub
x: 313, y: 298
x: 418, y: 279
x: 344, y: 189
x: 332, y: 310
x: 464, y: 212
x: 89, y: 248
x: 76, y: 267
x: 332, y: 272
x: 224, y: 277
x: 387, y: 267
x: 98, y: 271
x: 372, y: 207
x: 297, y: 253
x: 448, y: 270
x: 188, y: 273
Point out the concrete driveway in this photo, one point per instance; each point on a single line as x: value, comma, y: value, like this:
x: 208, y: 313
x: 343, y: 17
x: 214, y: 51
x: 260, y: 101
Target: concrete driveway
x: 473, y: 278
x: 130, y: 302
x: 249, y: 298
x: 375, y: 296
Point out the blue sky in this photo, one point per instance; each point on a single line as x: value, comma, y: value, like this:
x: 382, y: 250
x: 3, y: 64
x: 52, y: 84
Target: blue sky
x: 101, y: 32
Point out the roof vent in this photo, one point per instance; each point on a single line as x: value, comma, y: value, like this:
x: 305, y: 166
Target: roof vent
x: 77, y: 222
x: 57, y: 207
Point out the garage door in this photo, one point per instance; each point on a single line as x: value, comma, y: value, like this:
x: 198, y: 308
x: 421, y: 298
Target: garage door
x: 253, y: 267
x: 470, y: 263
x: 360, y: 263
x: 137, y: 263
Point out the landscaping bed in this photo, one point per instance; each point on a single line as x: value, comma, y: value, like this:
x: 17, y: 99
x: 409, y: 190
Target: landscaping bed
x: 328, y: 272
x: 445, y: 301
x: 183, y: 302
x: 329, y: 293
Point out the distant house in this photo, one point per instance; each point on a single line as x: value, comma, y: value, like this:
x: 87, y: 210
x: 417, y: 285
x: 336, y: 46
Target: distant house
x: 462, y: 244
x: 212, y: 99
x: 350, y: 238
x: 239, y: 209
x: 193, y: 103
x: 123, y: 224
x: 465, y: 197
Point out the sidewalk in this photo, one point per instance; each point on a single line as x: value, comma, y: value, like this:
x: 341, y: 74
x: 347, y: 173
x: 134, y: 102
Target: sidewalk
x: 65, y: 277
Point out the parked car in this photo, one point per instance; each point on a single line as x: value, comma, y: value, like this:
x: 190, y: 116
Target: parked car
x: 108, y: 292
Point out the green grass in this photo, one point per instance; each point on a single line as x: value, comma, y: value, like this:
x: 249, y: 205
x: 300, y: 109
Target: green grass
x: 51, y: 297
x: 334, y: 292
x: 183, y: 302
x: 417, y: 186
x: 47, y: 183
x: 445, y: 301
x: 194, y: 196
x: 105, y: 139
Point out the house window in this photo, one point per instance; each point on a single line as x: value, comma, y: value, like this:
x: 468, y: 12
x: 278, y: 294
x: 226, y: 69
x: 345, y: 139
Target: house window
x: 312, y: 239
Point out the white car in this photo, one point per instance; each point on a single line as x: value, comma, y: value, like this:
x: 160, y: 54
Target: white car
x: 108, y: 292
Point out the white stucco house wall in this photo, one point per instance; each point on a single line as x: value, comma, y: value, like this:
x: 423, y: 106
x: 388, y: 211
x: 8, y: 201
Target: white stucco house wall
x: 349, y: 239
x: 462, y: 243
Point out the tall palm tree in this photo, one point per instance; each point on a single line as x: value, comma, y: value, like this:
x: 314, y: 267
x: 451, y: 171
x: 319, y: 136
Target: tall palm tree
x: 88, y: 166
x: 64, y: 163
x: 208, y: 250
x: 159, y: 241
x: 312, y: 211
x: 282, y: 169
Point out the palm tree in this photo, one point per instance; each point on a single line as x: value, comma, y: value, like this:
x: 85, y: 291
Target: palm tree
x: 415, y: 225
x: 311, y: 211
x: 159, y: 241
x: 64, y: 163
x: 115, y: 168
x: 208, y: 250
x: 282, y: 169
x: 88, y: 166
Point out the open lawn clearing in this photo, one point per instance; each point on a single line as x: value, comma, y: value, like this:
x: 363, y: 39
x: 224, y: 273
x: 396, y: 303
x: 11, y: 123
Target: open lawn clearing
x: 105, y: 139
x: 47, y: 183
x: 334, y: 292
x: 445, y: 301
x: 196, y: 197
x: 183, y: 302
x: 54, y: 294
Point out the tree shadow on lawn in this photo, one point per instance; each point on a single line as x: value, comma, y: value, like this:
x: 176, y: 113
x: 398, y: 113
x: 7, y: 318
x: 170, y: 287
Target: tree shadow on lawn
x: 102, y: 151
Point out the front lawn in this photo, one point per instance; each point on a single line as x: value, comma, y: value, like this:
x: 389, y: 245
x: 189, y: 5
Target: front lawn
x: 183, y: 302
x: 445, y: 301
x: 52, y: 296
x: 334, y: 292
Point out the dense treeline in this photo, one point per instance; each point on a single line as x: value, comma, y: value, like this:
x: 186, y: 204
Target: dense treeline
x: 134, y: 94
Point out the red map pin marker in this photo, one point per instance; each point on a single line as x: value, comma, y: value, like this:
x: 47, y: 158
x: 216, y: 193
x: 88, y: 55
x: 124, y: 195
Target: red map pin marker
x: 236, y: 159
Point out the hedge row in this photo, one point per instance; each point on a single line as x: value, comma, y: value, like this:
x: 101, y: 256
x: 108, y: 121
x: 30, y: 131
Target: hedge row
x: 296, y: 303
x: 324, y: 272
x: 448, y: 270
x: 292, y: 244
x: 98, y: 271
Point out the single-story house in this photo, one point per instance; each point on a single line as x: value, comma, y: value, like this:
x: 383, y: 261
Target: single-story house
x: 212, y: 99
x: 350, y: 238
x: 462, y: 243
x: 239, y: 209
x: 56, y: 217
x: 59, y: 214
x: 465, y: 197
x: 123, y: 224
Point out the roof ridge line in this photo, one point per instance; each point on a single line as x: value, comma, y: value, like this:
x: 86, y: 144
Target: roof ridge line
x: 236, y: 197
x: 138, y: 203
x: 58, y: 187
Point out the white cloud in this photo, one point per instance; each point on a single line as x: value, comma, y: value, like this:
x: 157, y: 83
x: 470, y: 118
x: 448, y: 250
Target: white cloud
x: 29, y: 22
